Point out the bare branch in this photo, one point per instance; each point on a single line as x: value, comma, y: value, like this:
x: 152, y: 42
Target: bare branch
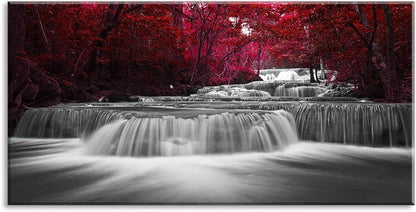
x: 45, y: 39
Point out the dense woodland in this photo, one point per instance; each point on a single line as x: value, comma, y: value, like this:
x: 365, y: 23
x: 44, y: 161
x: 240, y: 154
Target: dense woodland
x: 81, y: 52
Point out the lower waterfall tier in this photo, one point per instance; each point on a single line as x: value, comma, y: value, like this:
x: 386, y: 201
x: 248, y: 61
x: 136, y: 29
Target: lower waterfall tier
x: 170, y: 136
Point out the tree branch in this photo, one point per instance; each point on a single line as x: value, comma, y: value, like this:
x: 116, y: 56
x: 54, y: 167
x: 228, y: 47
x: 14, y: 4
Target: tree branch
x: 349, y: 24
x: 180, y: 12
x: 375, y: 25
x: 138, y: 6
x: 235, y: 50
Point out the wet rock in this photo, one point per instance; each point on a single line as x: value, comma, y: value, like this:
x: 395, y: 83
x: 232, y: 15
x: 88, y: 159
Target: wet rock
x: 118, y: 97
x: 93, y: 89
x: 339, y: 90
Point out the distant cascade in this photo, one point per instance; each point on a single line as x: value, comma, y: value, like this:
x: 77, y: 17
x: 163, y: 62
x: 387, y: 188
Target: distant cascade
x: 171, y: 136
x: 270, y: 87
x: 62, y: 122
x: 207, y: 89
x: 287, y: 75
x: 237, y: 92
x: 268, y: 77
x: 300, y: 91
x: 284, y: 74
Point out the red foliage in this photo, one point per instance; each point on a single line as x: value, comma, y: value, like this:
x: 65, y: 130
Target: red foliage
x: 144, y: 49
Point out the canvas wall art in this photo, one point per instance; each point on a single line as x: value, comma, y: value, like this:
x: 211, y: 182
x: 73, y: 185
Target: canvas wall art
x: 210, y: 103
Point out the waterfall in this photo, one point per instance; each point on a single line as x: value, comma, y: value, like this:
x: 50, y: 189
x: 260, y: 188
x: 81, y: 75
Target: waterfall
x: 267, y: 77
x: 204, y: 134
x: 353, y: 123
x: 301, y: 91
x: 62, y: 122
x: 271, y: 86
x: 294, y: 88
x: 235, y: 91
x: 370, y: 125
x: 335, y: 122
x: 284, y: 74
x: 287, y: 75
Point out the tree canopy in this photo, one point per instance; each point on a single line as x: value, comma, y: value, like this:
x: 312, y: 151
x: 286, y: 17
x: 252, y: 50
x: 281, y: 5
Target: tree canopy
x: 80, y: 49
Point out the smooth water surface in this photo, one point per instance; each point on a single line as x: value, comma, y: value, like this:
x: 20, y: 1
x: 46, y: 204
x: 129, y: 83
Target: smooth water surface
x: 61, y: 171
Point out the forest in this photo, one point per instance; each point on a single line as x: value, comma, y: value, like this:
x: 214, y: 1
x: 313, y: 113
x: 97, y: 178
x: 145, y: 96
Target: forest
x: 80, y: 52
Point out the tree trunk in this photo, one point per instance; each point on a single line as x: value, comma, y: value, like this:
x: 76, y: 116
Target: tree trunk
x: 196, y: 66
x: 312, y: 78
x: 130, y: 58
x: 322, y: 65
x: 361, y: 84
x: 316, y: 74
x: 387, y: 69
x: 110, y: 24
x: 391, y: 60
x: 258, y: 58
x: 177, y: 18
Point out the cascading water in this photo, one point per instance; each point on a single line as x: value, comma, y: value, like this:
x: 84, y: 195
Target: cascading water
x: 348, y: 123
x: 287, y: 75
x: 301, y: 91
x: 62, y: 122
x: 169, y: 136
x: 353, y: 123
x: 236, y: 92
x: 284, y: 74
x: 127, y: 133
x: 270, y: 87
x: 362, y: 124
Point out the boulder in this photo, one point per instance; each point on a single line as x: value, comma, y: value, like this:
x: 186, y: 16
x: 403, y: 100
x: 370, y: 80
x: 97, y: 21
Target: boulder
x: 117, y: 97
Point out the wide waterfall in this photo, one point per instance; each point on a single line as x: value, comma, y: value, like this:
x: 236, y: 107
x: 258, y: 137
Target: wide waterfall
x: 348, y: 123
x: 169, y: 136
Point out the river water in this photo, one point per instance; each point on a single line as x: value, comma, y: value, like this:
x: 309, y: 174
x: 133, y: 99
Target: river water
x: 60, y: 171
